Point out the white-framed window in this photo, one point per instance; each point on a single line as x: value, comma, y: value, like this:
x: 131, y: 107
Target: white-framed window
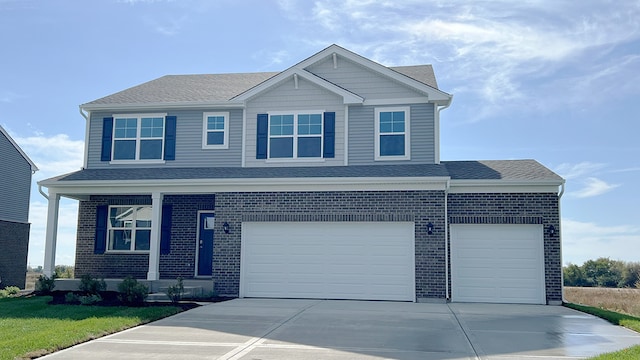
x: 138, y: 137
x: 129, y: 228
x: 392, y: 133
x: 215, y: 130
x: 295, y: 135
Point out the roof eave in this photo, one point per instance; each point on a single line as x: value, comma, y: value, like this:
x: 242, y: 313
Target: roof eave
x: 162, y: 105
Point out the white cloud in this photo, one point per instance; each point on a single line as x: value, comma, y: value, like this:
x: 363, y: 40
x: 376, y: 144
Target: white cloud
x: 572, y: 171
x: 53, y: 155
x: 593, y: 187
x: 582, y: 241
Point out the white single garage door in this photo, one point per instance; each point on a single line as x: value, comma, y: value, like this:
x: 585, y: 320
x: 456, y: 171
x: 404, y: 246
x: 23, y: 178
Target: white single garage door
x: 497, y: 264
x: 328, y: 260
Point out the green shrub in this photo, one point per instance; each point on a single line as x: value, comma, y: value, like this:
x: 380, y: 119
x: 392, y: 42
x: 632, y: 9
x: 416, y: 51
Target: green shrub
x: 132, y: 292
x: 45, y: 285
x: 175, y: 292
x: 91, y: 286
x: 90, y: 299
x: 10, y: 291
x: 71, y: 298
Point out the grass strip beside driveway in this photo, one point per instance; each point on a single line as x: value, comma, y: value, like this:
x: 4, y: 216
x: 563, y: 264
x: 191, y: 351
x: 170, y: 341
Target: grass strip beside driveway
x: 628, y: 321
x: 29, y: 327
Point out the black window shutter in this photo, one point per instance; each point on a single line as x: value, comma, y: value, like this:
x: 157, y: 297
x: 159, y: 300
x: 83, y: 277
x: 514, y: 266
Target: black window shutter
x: 170, y: 138
x: 100, y: 242
x: 107, y: 133
x: 165, y: 229
x: 329, y: 135
x: 263, y: 135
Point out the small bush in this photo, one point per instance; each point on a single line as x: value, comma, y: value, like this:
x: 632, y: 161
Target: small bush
x: 91, y: 286
x: 71, y: 298
x: 175, y: 292
x: 90, y: 299
x: 9, y: 291
x: 45, y: 285
x: 132, y: 292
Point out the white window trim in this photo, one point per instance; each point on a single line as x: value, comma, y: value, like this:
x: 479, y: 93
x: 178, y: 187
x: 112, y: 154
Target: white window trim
x: 295, y: 136
x: 137, y: 160
x: 225, y: 144
x: 133, y: 228
x: 407, y: 134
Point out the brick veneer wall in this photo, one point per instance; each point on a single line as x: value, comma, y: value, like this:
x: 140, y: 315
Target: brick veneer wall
x: 421, y: 207
x: 525, y: 208
x: 14, y: 245
x: 179, y: 262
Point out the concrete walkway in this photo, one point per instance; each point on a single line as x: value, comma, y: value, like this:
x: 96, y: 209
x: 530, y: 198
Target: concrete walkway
x: 268, y: 329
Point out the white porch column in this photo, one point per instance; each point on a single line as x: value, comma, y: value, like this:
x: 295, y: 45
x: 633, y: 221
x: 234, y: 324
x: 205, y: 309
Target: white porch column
x: 51, y: 236
x: 154, y: 248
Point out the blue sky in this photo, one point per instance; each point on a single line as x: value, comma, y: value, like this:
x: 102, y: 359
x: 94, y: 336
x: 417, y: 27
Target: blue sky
x: 556, y: 81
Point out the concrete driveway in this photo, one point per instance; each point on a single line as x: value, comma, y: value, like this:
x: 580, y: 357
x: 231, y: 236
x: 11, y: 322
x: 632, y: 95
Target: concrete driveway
x: 326, y: 329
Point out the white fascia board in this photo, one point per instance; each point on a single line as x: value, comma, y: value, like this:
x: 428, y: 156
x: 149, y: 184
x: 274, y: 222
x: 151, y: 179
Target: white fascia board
x: 163, y: 105
x: 348, y: 97
x: 435, y: 95
x: 204, y: 186
x: 504, y: 186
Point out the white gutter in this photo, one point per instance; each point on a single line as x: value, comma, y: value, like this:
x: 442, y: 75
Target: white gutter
x: 42, y: 192
x: 436, y: 129
x: 446, y: 238
x: 169, y: 106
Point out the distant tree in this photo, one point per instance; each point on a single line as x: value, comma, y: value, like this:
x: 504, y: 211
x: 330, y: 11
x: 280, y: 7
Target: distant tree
x: 64, y: 271
x: 37, y: 269
x: 574, y: 276
x: 603, y: 272
x: 630, y: 275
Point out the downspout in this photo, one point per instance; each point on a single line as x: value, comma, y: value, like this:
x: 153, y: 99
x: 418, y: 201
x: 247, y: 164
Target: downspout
x: 86, y: 117
x: 560, y: 238
x: 446, y: 238
x: 436, y: 129
x: 42, y: 192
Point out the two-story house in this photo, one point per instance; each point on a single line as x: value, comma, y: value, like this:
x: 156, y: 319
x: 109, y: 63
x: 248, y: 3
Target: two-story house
x: 16, y: 170
x: 320, y: 181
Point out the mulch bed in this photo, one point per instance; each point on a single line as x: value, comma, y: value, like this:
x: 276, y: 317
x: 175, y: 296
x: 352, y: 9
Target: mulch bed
x: 110, y: 298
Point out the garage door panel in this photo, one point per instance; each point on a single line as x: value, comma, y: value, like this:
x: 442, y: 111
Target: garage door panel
x: 343, y: 260
x: 497, y: 263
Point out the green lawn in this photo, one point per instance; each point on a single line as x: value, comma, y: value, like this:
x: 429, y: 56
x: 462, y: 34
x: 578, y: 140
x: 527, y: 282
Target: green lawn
x: 630, y: 322
x: 29, y: 327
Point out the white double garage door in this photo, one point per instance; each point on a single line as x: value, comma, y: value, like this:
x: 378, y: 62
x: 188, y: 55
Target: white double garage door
x: 376, y: 261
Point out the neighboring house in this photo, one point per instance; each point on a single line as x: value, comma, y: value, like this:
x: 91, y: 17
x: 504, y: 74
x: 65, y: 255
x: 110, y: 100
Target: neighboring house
x: 15, y: 188
x: 320, y: 181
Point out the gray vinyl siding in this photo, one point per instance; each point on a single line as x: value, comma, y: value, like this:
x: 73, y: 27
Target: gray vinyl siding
x: 189, y: 151
x: 362, y: 135
x: 360, y: 80
x: 15, y: 187
x: 285, y: 97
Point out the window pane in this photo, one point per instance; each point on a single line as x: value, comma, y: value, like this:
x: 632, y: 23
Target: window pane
x: 391, y: 145
x: 385, y: 117
x: 143, y: 239
x: 215, y: 138
x: 215, y: 123
x: 309, y: 147
x: 143, y: 216
x: 120, y: 217
x: 120, y: 240
x: 303, y: 119
x: 281, y: 147
x: 150, y: 149
x: 386, y: 127
x: 126, y: 128
x: 124, y: 150
x: 151, y: 127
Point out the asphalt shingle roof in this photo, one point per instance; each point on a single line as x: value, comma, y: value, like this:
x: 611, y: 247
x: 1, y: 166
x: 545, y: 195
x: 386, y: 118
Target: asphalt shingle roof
x: 521, y: 170
x: 218, y: 87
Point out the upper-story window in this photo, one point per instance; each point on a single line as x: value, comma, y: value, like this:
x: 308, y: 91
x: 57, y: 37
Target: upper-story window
x: 215, y: 134
x: 392, y: 134
x: 138, y: 137
x: 295, y: 135
x: 129, y: 228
